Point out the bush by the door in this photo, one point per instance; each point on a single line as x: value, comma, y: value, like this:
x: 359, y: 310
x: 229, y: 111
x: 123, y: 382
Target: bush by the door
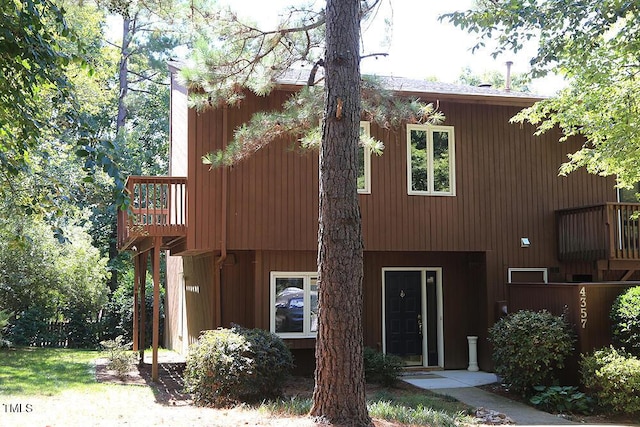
x: 528, y: 348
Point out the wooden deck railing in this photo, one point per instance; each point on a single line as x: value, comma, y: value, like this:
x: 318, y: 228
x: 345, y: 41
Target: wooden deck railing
x: 601, y: 232
x: 157, y: 208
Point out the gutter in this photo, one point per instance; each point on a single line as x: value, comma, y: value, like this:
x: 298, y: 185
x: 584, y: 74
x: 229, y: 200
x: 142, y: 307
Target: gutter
x: 219, y: 262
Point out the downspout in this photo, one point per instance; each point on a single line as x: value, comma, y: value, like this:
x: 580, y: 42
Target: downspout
x: 219, y: 263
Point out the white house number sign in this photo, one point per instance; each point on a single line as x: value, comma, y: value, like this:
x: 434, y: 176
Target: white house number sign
x: 583, y: 307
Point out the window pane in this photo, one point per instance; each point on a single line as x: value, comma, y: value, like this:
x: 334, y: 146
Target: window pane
x: 419, y: 180
x: 361, y: 171
x: 630, y: 195
x: 441, y: 165
x: 289, y: 304
x: 313, y: 327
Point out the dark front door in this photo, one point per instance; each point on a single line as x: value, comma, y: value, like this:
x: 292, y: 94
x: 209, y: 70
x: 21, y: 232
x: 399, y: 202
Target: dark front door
x: 403, y: 315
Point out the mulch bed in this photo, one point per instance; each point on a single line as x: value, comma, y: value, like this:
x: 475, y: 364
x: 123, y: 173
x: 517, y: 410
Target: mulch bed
x: 168, y: 389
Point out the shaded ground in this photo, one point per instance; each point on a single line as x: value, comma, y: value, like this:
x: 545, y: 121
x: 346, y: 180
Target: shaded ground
x: 168, y: 389
x: 168, y: 393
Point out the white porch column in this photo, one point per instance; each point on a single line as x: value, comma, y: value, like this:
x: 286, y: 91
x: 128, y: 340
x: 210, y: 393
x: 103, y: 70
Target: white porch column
x: 473, y: 354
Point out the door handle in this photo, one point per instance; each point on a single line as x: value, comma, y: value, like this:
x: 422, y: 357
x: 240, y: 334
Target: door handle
x: 420, y: 324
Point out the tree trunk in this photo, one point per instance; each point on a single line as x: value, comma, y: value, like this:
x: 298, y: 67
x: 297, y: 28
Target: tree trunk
x: 339, y: 394
x: 123, y: 74
x: 121, y: 121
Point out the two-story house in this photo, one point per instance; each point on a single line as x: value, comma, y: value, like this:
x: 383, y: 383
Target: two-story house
x: 450, y: 214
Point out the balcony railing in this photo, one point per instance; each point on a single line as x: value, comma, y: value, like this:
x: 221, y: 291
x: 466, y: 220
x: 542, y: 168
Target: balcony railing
x: 601, y: 232
x: 157, y: 209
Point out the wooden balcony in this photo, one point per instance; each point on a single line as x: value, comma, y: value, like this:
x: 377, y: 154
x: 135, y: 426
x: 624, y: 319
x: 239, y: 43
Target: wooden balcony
x: 607, y: 234
x: 157, y: 209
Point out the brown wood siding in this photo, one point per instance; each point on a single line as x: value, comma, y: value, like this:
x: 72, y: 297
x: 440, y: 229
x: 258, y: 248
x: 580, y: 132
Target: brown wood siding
x: 507, y: 187
x: 237, y: 285
x: 463, y: 287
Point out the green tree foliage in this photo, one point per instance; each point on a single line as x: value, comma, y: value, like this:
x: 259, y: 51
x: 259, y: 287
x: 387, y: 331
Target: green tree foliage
x: 234, y: 57
x: 146, y: 42
x: 33, y: 64
x: 43, y: 58
x: 625, y: 320
x: 117, y: 317
x: 595, y: 46
x: 519, y: 82
x: 4, y: 321
x: 43, y: 278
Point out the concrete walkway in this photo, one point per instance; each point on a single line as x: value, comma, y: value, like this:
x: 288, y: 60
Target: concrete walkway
x: 462, y: 385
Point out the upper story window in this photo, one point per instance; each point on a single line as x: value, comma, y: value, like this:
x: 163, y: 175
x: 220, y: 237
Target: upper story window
x: 294, y: 304
x: 364, y: 162
x: 431, y: 160
x: 629, y: 195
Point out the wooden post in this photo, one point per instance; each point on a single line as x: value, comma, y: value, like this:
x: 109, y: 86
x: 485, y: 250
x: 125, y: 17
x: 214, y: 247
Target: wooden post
x: 136, y: 301
x: 156, y: 307
x: 143, y: 304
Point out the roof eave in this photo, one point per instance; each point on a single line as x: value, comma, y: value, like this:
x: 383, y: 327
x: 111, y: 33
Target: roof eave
x: 485, y: 99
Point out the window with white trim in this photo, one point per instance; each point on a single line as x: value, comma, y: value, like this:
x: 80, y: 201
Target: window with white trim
x: 364, y: 162
x: 294, y: 304
x: 430, y: 160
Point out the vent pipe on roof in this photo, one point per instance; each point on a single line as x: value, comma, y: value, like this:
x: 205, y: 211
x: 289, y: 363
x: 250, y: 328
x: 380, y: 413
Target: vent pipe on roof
x: 507, y: 85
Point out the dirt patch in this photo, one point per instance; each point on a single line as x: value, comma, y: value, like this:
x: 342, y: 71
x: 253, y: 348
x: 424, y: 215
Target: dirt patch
x: 169, y: 389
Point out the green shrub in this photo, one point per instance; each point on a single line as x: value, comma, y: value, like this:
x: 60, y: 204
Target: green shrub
x: 5, y: 315
x: 121, y: 359
x: 625, y: 319
x: 229, y: 366
x: 562, y: 399
x: 31, y: 328
x: 118, y: 312
x: 528, y: 347
x: 381, y: 368
x: 82, y: 332
x: 613, y: 377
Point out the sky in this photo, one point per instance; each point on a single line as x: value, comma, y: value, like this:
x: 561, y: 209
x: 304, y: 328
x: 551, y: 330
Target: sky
x: 421, y: 46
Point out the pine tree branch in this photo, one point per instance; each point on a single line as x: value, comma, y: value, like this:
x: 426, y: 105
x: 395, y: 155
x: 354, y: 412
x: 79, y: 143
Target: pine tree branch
x: 374, y: 54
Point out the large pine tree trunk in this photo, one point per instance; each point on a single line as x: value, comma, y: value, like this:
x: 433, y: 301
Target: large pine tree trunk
x: 339, y: 395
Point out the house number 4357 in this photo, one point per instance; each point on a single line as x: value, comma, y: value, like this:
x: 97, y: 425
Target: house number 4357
x: 583, y: 307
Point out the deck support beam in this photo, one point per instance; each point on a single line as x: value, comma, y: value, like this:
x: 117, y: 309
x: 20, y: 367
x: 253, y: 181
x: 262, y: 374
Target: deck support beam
x: 136, y: 301
x: 139, y: 312
x: 156, y: 307
x: 627, y: 275
x: 139, y: 304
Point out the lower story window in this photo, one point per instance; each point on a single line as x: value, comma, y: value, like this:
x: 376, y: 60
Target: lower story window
x: 294, y: 304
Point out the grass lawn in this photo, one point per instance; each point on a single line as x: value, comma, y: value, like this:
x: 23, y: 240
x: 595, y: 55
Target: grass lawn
x: 39, y: 371
x: 57, y: 387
